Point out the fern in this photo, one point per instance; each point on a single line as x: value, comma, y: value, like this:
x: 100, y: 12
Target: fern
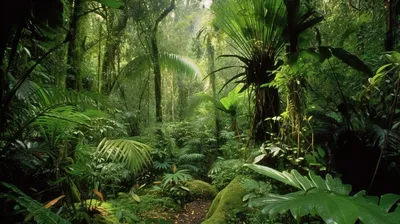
x: 327, y: 198
x: 162, y: 165
x: 190, y: 167
x: 178, y: 177
x: 40, y: 214
x: 133, y: 154
x: 191, y: 157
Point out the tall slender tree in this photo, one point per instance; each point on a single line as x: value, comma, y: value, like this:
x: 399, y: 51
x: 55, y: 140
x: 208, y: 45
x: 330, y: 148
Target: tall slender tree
x: 155, y: 57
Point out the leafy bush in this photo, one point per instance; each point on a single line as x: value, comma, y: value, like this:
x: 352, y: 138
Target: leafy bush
x: 223, y: 171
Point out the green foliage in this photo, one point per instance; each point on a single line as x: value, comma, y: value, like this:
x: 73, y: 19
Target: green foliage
x: 327, y: 198
x: 228, y: 104
x: 346, y: 57
x: 116, y: 4
x: 40, y: 214
x: 133, y: 154
x: 177, y: 178
x: 178, y: 64
x: 224, y: 171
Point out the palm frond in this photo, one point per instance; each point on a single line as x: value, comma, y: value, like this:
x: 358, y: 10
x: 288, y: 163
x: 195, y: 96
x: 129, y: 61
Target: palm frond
x: 46, y: 103
x: 180, y: 64
x: 133, y: 154
x: 199, y: 98
x: 252, y: 25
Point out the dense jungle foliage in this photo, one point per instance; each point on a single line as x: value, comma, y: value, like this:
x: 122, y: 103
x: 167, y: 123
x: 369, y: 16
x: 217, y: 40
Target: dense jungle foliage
x: 200, y: 111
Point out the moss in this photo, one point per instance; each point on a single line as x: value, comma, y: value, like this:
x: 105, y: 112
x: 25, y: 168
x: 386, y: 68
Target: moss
x: 201, y: 189
x: 227, y: 203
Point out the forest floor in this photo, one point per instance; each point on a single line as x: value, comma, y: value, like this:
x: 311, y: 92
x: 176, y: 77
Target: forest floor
x: 194, y: 212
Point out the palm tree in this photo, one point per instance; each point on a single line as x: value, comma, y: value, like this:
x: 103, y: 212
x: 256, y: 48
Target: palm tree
x: 255, y: 29
x: 259, y: 30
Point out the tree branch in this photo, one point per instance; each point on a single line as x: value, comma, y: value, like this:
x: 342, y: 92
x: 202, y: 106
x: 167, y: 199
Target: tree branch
x: 163, y: 15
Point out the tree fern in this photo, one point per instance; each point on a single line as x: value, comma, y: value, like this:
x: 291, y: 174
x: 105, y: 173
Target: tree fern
x: 327, y: 198
x: 133, y: 154
x: 40, y: 214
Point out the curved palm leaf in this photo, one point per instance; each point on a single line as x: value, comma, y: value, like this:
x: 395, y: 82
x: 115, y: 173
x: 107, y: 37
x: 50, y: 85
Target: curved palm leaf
x: 180, y: 64
x: 133, y: 154
x: 199, y: 98
x: 46, y: 103
x: 172, y: 62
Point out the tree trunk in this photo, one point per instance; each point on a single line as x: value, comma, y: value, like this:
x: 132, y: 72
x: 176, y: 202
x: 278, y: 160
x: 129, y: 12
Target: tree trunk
x: 111, y: 51
x: 211, y: 63
x: 156, y: 61
x: 390, y: 25
x: 75, y: 48
x: 293, y: 99
x: 267, y: 106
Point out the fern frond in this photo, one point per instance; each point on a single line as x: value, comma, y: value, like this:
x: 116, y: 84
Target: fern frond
x: 178, y: 177
x: 190, y: 167
x: 191, y: 157
x: 162, y: 165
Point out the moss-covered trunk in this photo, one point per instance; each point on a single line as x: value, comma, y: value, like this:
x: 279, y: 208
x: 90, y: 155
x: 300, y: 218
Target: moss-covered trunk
x: 75, y: 48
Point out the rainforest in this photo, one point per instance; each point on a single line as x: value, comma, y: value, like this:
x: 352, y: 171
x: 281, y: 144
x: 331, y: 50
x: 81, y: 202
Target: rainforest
x: 200, y: 111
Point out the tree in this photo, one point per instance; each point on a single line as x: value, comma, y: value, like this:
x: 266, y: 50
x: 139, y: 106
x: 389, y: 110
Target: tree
x: 156, y: 60
x: 255, y: 29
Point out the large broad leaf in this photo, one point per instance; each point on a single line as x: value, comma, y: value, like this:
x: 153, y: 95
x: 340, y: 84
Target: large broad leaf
x: 331, y: 207
x: 295, y: 179
x: 327, y: 198
x: 116, y: 4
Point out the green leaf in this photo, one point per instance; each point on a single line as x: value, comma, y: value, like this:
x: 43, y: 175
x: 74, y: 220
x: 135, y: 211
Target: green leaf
x: 133, y: 154
x: 136, y: 197
x: 351, y: 60
x: 388, y: 201
x: 327, y: 198
x: 116, y: 4
x: 325, y: 52
x: 282, y: 177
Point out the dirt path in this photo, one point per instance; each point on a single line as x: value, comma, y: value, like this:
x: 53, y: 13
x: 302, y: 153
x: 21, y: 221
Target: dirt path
x: 194, y: 212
